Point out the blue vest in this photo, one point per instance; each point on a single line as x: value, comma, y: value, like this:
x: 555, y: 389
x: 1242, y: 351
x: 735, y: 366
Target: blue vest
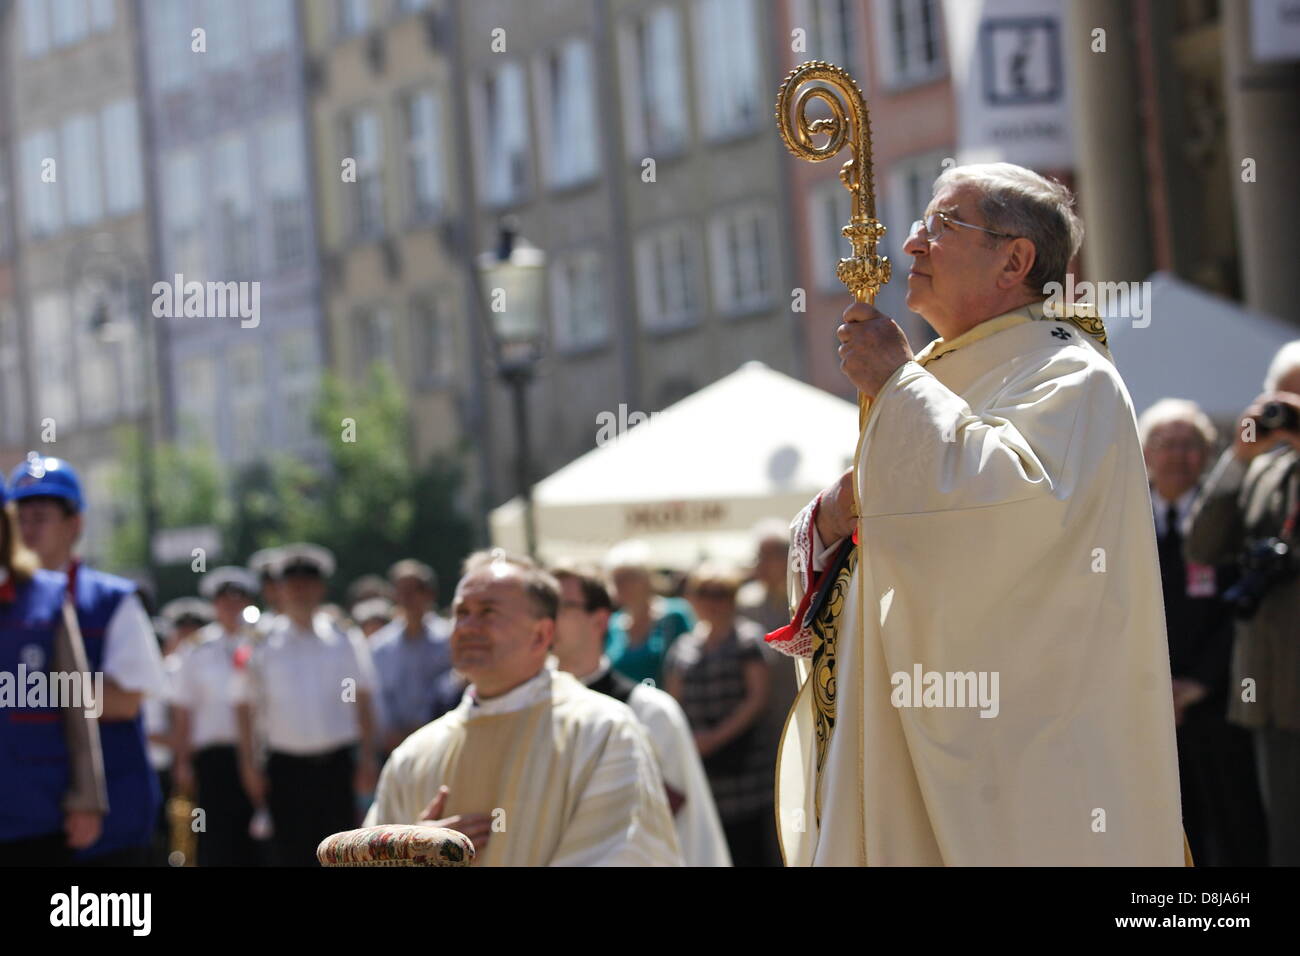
x: 134, y: 795
x: 33, y: 752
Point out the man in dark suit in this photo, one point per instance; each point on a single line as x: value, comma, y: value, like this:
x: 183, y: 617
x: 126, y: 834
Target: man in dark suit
x: 1222, y: 812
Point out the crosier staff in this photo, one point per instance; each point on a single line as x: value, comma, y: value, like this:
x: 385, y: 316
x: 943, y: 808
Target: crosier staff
x: 863, y: 274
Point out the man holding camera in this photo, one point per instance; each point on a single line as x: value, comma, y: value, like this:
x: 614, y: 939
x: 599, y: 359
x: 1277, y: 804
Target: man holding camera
x: 1247, y: 512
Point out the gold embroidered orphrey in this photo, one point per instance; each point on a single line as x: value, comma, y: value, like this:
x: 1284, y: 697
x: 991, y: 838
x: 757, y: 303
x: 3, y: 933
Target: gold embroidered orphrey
x: 863, y: 274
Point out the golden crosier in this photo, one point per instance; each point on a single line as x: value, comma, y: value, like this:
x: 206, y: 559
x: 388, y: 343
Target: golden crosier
x: 864, y: 272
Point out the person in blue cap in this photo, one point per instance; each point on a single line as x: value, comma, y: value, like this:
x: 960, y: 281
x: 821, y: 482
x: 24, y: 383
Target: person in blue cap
x: 120, y: 643
x: 52, y: 799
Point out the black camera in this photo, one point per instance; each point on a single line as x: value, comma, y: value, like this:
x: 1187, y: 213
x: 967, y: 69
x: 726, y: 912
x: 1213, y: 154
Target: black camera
x: 1275, y: 416
x: 1265, y: 564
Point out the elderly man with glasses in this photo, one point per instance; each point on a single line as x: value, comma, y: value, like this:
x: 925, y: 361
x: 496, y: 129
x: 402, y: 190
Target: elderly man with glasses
x: 979, y: 600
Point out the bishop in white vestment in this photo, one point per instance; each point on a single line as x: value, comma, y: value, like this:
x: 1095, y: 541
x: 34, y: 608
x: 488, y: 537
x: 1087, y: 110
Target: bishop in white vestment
x: 997, y: 688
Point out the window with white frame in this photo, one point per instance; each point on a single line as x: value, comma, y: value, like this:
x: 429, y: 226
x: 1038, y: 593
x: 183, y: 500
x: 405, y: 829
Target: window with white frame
x: 36, y: 27
x: 298, y: 385
x: 572, y: 150
x: 829, y: 208
x: 667, y: 283
x: 79, y: 169
x: 11, y: 379
x: 271, y: 24
x: 650, y: 48
x: 183, y: 213
x: 831, y: 30
x: 226, y: 40
x: 170, y: 23
x: 69, y: 21
x: 908, y: 41
x: 911, y: 184
x: 374, y: 328
x: 727, y: 48
x: 353, y: 17
x: 233, y: 201
x: 247, y: 400
x: 197, y: 402
x: 580, y: 317
x: 42, y: 202
x: 741, y: 246
x: 504, y: 143
x: 433, y: 339
x: 283, y: 179
x: 424, y: 165
x: 54, y: 385
x: 364, y: 137
x: 123, y: 175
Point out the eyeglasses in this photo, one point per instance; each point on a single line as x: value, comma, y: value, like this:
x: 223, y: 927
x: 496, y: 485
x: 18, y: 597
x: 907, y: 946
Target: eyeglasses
x: 933, y: 225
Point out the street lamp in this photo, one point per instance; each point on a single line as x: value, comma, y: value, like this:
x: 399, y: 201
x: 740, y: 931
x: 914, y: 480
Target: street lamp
x: 513, y: 278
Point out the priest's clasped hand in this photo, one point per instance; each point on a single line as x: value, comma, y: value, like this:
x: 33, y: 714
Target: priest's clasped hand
x: 476, y: 826
x: 872, y: 347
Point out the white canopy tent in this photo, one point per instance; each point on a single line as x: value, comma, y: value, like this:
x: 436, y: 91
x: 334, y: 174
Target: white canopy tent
x: 1196, y: 346
x: 694, y: 480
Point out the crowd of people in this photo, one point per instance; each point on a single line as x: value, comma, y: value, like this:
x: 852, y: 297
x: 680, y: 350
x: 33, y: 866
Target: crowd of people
x: 244, y: 724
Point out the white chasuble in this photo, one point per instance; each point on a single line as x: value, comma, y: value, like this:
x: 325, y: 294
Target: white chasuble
x: 567, y: 774
x: 1002, y: 670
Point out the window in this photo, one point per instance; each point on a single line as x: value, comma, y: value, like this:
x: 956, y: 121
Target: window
x: 830, y: 208
x: 353, y: 17
x: 198, y: 402
x: 578, y: 313
x: 727, y: 58
x: 424, y: 154
x: 365, y: 144
x: 54, y: 384
x: 655, y: 86
x: 908, y: 41
x: 374, y: 337
x: 11, y: 379
x: 298, y: 381
x: 123, y: 176
x: 247, y: 401
x: 284, y: 173
x: 741, y: 250
x: 571, y: 156
x: 831, y: 31
x: 56, y: 23
x: 505, y: 143
x: 666, y: 281
x: 69, y: 21
x: 271, y: 24
x: 42, y: 206
x: 97, y: 357
x: 79, y: 170
x: 233, y: 200
x: 225, y: 26
x: 911, y: 184
x: 183, y: 213
x: 170, y: 23
x: 411, y: 6
x: 36, y: 27
x: 431, y: 330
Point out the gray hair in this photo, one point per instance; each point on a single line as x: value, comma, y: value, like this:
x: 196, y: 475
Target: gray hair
x: 1170, y: 410
x: 1021, y: 203
x: 1286, y: 359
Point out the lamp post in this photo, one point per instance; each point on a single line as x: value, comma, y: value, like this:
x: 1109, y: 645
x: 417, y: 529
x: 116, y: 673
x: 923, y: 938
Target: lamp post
x: 513, y: 281
x: 105, y: 285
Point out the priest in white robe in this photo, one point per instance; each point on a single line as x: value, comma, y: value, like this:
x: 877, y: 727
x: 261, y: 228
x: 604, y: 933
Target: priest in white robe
x: 580, y: 629
x: 990, y: 674
x: 534, y: 768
